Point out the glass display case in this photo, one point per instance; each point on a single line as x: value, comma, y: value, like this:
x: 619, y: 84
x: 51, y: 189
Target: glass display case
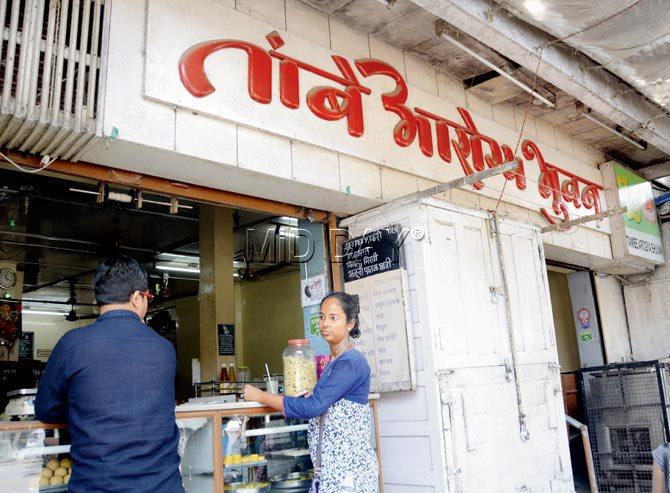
x: 240, y: 447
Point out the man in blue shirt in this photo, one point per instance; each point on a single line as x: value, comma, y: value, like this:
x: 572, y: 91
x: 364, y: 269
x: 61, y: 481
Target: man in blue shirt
x: 113, y: 382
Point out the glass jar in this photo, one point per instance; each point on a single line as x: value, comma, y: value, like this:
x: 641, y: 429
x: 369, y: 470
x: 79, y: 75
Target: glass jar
x: 299, y: 367
x: 243, y: 374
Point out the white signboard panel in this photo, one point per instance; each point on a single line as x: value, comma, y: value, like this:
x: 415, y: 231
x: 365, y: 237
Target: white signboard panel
x: 385, y: 340
x: 241, y: 82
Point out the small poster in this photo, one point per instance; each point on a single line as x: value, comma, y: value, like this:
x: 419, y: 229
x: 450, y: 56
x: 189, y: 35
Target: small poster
x: 226, y: 334
x: 584, y: 317
x: 10, y: 323
x: 586, y: 336
x: 314, y: 325
x: 26, y: 345
x: 43, y: 353
x: 313, y: 290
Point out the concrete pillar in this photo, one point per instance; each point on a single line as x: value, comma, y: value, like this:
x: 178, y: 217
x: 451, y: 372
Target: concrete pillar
x: 216, y: 292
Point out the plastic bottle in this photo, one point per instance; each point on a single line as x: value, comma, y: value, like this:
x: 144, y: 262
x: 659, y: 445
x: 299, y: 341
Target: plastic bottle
x: 231, y: 373
x: 223, y: 379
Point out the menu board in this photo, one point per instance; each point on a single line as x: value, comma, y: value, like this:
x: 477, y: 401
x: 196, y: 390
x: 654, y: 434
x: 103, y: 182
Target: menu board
x: 226, y: 335
x: 26, y: 345
x: 384, y: 320
x: 372, y: 253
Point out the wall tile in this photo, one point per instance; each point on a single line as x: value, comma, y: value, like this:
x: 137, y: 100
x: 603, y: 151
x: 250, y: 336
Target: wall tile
x: 503, y: 113
x: 315, y: 165
x: 307, y: 23
x: 396, y: 184
x: 479, y: 107
x: 545, y: 132
x: 265, y: 153
x: 387, y: 53
x: 271, y: 11
x: 206, y: 138
x: 347, y: 41
x: 529, y: 127
x: 581, y: 151
x: 564, y: 143
x: 420, y: 74
x: 359, y: 177
x: 451, y: 89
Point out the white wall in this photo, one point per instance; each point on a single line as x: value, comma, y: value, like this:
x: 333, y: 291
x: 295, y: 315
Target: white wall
x: 613, y: 321
x: 48, y: 330
x: 649, y: 311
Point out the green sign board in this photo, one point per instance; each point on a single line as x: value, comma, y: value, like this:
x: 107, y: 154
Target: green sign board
x: 586, y: 336
x: 643, y: 232
x: 314, y: 325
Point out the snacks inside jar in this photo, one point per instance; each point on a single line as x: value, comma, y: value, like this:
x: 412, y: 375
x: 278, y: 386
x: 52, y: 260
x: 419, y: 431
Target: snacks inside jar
x: 299, y: 367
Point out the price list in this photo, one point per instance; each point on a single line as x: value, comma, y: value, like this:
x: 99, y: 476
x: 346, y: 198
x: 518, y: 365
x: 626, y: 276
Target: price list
x: 384, y: 335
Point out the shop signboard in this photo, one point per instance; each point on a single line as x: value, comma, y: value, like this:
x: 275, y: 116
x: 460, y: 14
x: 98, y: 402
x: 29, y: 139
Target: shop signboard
x: 636, y: 234
x: 224, y: 64
x: 226, y: 337
x: 372, y: 270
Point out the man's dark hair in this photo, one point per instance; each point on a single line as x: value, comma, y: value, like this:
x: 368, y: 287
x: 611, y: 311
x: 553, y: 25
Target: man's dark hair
x: 117, y: 278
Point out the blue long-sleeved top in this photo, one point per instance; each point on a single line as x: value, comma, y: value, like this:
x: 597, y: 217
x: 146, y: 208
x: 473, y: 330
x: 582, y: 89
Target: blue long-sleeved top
x: 347, y: 377
x: 113, y: 382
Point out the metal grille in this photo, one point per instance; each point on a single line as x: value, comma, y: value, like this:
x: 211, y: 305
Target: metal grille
x: 50, y: 74
x: 627, y: 414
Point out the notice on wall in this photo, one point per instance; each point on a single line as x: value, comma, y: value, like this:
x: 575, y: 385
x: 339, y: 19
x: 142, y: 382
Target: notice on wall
x: 386, y: 339
x: 313, y: 290
x: 43, y: 353
x: 372, y: 253
x: 26, y: 345
x: 226, y: 336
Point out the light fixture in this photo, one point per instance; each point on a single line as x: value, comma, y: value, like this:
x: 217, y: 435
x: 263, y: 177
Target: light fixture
x: 535, y: 7
x: 178, y: 268
x: 441, y: 32
x: 41, y: 312
x: 189, y: 259
x: 632, y: 142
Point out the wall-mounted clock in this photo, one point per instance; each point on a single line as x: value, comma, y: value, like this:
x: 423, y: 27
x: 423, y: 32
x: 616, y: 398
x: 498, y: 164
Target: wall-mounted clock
x: 7, y: 278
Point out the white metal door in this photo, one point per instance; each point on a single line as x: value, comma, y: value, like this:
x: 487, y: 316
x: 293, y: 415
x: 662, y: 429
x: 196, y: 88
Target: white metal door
x: 530, y: 302
x: 465, y: 314
x: 485, y: 440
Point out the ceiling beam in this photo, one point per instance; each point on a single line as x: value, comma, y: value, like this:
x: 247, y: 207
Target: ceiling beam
x: 517, y: 40
x: 656, y: 171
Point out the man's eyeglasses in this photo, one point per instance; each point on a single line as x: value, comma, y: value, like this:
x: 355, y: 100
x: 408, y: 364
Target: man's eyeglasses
x: 148, y: 295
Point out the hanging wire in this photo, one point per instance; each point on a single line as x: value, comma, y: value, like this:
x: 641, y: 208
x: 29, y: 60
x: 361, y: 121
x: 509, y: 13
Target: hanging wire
x: 45, y: 164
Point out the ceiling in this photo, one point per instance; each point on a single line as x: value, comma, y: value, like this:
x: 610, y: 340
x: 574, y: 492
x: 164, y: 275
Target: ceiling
x: 57, y: 236
x: 630, y: 38
x: 405, y: 25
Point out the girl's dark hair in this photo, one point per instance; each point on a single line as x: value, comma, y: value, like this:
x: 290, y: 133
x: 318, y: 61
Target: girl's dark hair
x: 351, y: 306
x: 117, y: 278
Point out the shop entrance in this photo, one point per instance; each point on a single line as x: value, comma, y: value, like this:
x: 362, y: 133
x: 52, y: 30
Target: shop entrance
x: 578, y: 341
x: 241, y: 268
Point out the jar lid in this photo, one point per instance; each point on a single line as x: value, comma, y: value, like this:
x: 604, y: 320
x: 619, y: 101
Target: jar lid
x: 298, y: 342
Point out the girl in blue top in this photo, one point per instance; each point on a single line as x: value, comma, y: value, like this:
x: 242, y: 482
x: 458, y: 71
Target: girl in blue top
x: 341, y: 395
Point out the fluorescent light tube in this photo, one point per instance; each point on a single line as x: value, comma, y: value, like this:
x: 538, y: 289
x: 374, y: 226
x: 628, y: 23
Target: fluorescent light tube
x: 42, y: 312
x: 175, y: 268
x: 613, y: 130
x: 494, y: 67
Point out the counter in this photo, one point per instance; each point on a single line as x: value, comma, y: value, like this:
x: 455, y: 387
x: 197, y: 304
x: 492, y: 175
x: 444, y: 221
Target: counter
x: 230, y: 442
